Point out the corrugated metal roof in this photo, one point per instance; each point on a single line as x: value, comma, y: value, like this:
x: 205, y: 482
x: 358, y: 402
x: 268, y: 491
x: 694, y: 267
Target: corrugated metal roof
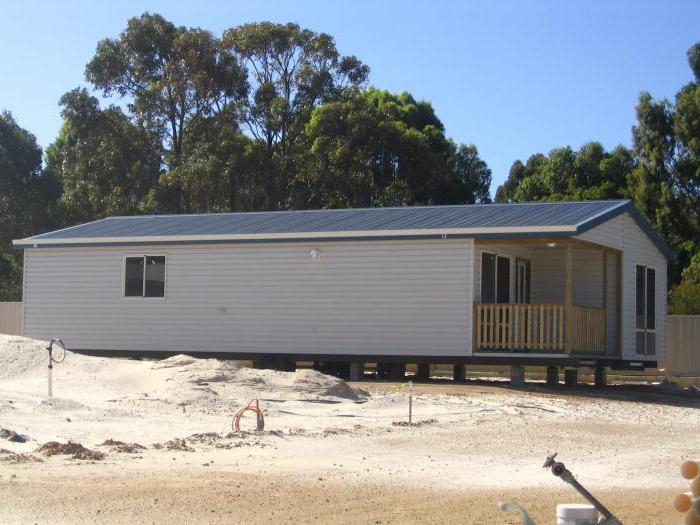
x: 370, y: 219
x: 563, y: 218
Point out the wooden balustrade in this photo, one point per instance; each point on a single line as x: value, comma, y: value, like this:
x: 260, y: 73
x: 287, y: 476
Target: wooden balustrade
x: 588, y: 329
x: 538, y: 327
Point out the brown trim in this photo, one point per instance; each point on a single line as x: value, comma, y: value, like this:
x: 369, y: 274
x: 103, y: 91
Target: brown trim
x: 604, y: 253
x: 605, y: 296
x: 564, y: 241
x: 596, y: 246
x: 568, y: 295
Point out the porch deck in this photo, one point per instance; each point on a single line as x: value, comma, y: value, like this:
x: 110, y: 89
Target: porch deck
x: 539, y: 328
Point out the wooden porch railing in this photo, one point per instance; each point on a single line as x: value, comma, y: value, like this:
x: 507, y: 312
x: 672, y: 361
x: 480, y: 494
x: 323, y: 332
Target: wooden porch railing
x: 588, y: 329
x: 538, y: 327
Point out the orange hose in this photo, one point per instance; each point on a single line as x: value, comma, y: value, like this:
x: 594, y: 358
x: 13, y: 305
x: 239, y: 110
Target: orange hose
x: 252, y: 406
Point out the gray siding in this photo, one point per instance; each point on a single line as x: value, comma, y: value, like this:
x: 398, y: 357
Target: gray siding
x: 623, y: 233
x: 403, y: 298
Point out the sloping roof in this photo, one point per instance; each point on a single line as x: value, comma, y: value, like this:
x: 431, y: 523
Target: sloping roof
x: 481, y: 220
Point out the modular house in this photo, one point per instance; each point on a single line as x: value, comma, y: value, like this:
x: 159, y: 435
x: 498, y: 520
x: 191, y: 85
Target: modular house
x: 555, y: 283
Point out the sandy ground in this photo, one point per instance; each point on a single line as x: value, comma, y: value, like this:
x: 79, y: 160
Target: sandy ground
x: 331, y: 452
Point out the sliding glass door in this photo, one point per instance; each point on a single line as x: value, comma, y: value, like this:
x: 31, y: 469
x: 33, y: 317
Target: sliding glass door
x: 495, y: 278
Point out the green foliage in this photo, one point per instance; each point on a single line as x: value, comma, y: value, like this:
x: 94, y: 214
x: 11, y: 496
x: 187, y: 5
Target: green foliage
x: 691, y: 273
x: 27, y: 199
x: 218, y: 171
x: 587, y: 174
x: 171, y: 78
x: 694, y: 60
x: 684, y: 299
x: 170, y: 74
x: 291, y: 72
x: 473, y: 177
x: 666, y: 183
x: 108, y: 165
x: 380, y: 149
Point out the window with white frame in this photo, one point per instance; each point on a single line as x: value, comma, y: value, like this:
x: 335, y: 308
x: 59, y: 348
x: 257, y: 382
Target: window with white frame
x: 645, y: 310
x: 144, y: 276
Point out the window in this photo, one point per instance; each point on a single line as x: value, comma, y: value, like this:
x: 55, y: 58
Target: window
x: 495, y: 278
x: 144, y: 276
x: 646, y: 310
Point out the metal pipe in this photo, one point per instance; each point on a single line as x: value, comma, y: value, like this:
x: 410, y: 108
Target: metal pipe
x: 560, y: 471
x: 52, y: 360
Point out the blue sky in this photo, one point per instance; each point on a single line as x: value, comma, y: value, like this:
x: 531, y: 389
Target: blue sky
x: 514, y: 78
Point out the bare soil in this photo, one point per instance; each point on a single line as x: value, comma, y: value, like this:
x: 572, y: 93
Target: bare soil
x: 218, y: 497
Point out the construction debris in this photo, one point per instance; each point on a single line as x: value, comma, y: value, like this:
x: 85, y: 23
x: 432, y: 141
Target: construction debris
x: 13, y: 436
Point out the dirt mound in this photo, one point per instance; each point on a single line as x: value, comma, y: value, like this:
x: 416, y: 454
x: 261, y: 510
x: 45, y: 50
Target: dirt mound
x: 192, y: 378
x: 73, y: 449
x: 181, y: 378
x: 303, y: 383
x: 204, y: 369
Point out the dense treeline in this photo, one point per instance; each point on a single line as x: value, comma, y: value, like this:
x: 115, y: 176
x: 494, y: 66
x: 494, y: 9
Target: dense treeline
x: 272, y: 117
x: 266, y: 117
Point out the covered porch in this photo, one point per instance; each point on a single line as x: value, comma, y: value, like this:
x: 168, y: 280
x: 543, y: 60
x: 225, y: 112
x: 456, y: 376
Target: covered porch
x: 546, y: 296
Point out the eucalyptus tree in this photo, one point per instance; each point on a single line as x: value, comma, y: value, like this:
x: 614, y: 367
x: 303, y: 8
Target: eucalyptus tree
x: 170, y: 77
x: 291, y: 71
x: 107, y: 164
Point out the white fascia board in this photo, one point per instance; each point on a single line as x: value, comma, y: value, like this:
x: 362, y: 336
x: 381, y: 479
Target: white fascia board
x: 29, y: 242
